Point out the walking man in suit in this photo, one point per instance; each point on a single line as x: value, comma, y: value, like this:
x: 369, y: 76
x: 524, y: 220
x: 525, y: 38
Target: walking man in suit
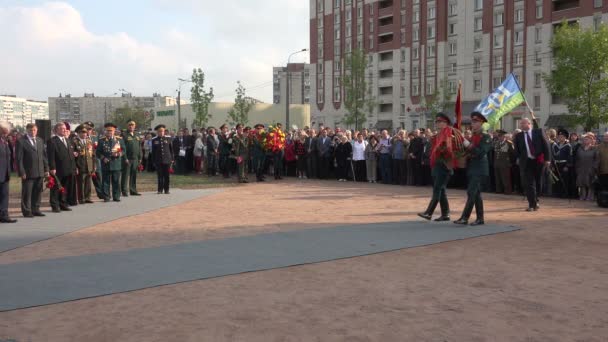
x: 85, y: 163
x: 531, y: 151
x: 62, y: 165
x: 5, y: 172
x: 32, y: 167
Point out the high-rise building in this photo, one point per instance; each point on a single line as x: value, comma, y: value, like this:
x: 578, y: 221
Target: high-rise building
x: 99, y: 109
x: 415, y: 46
x: 298, y: 75
x: 20, y: 111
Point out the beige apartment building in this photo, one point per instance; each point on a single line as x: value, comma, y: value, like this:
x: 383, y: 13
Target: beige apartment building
x: 20, y: 111
x: 99, y: 109
x: 298, y: 75
x: 413, y: 46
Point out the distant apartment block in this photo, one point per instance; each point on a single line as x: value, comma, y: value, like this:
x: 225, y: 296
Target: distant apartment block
x: 20, y: 111
x: 298, y: 76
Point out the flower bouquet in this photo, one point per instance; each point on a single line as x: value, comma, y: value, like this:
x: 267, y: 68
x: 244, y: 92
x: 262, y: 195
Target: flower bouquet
x: 116, y: 150
x: 140, y: 168
x: 274, y: 140
x: 53, y: 183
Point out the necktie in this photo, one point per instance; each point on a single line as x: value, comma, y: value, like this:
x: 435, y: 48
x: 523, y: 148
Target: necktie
x: 63, y: 141
x: 530, y: 146
x: 33, y: 142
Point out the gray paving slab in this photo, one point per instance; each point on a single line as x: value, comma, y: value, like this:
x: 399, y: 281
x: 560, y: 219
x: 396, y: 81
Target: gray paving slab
x: 30, y: 230
x: 52, y: 281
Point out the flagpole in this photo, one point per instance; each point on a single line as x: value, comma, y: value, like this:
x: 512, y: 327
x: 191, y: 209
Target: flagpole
x: 524, y: 96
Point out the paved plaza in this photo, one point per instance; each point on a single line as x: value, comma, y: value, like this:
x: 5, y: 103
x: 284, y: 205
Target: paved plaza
x: 305, y: 261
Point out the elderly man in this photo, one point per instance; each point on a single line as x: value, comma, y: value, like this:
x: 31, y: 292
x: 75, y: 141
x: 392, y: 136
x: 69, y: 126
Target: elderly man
x: 5, y: 173
x: 32, y: 166
x: 62, y: 164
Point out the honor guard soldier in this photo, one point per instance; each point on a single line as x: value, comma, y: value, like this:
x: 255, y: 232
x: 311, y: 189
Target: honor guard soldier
x: 132, y: 160
x: 478, y: 169
x: 240, y: 147
x: 444, y: 147
x: 110, y: 149
x: 85, y: 163
x: 162, y: 157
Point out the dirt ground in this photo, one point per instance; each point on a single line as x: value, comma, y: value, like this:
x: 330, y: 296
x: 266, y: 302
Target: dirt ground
x: 546, y: 282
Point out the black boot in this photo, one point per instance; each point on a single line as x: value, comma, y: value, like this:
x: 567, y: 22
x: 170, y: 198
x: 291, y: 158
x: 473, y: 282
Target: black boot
x: 445, y: 210
x: 479, y: 212
x: 428, y: 213
x: 466, y: 212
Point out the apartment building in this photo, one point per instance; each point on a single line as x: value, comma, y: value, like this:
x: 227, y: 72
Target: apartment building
x: 298, y: 75
x: 99, y: 109
x: 20, y: 111
x: 415, y: 46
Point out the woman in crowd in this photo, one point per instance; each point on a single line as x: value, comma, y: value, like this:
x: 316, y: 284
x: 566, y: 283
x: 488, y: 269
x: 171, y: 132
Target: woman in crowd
x: 371, y: 159
x: 343, y: 155
x: 586, y: 167
x: 300, y: 151
x: 359, y: 158
x: 198, y: 153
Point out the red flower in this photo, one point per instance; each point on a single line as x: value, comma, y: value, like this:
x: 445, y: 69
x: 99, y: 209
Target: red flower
x: 50, y: 184
x: 94, y: 175
x: 140, y: 167
x: 171, y: 171
x: 62, y: 190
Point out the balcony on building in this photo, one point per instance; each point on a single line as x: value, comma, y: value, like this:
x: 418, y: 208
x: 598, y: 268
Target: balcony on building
x: 385, y: 24
x: 385, y: 8
x: 385, y: 41
x: 385, y: 60
x: 561, y: 5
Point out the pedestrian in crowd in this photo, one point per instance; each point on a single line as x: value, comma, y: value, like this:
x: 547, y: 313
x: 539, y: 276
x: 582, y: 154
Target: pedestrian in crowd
x: 301, y: 155
x: 111, y: 152
x: 5, y: 172
x: 399, y: 148
x: 312, y: 158
x: 131, y: 161
x: 32, y: 168
x: 371, y: 159
x: 324, y: 152
x: 163, y: 158
x: 290, y: 155
x: 478, y: 170
x: 180, y: 151
x: 199, y: 154
x: 240, y: 148
x: 384, y: 153
x: 72, y: 192
x: 562, y: 156
x: 213, y: 152
x: 359, y: 148
x: 62, y: 166
x: 587, y: 162
x: 343, y: 155
x: 86, y: 163
x: 416, y: 152
x: 504, y: 156
x: 532, y: 153
x: 602, y: 153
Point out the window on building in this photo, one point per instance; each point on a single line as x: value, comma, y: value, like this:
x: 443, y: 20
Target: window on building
x: 415, y: 53
x: 452, y: 87
x: 337, y: 49
x: 347, y: 30
x: 415, y: 71
x: 498, y: 19
x: 320, y: 52
x: 371, y: 9
x: 452, y: 9
x: 537, y: 57
x: 498, y: 40
x: 337, y: 95
x: 430, y: 50
x: 402, y: 72
x: 451, y: 28
x: 431, y: 32
x: 536, y: 102
x: 320, y: 35
x: 476, y: 64
x: 320, y: 22
x: 416, y: 16
x: 360, y: 11
x: 402, y: 55
x: 337, y: 79
x: 539, y: 11
x: 496, y: 81
x: 349, y: 15
x: 519, y: 37
x: 337, y: 65
x: 478, y: 24
x: 337, y: 3
x: 498, y: 61
x: 402, y: 19
x: 429, y: 87
x: 416, y: 35
x: 403, y: 3
x: 431, y: 11
x: 337, y: 18
x: 320, y: 5
x: 477, y: 43
x: 597, y: 3
x: 453, y: 67
x: 371, y: 27
x: 538, y: 34
x: 371, y: 43
x: 478, y: 5
x: 477, y: 85
x: 415, y: 89
x: 320, y: 96
x: 430, y: 69
x: 519, y: 58
x: 519, y: 15
x: 452, y: 48
x: 498, y: 2
x: 337, y: 33
x: 320, y: 67
x: 537, y: 79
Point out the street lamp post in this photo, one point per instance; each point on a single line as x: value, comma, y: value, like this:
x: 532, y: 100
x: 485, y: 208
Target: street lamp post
x: 287, y: 79
x: 180, y: 81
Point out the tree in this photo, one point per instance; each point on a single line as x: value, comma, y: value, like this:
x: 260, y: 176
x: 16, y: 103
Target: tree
x: 357, y: 95
x: 439, y: 100
x: 239, y: 113
x: 200, y: 99
x: 121, y: 116
x: 581, y: 61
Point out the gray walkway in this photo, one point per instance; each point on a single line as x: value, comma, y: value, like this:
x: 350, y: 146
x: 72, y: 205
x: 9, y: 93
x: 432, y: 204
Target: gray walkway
x: 28, y: 230
x: 44, y: 282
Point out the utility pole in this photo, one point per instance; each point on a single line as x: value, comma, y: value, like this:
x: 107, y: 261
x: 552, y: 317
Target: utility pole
x: 287, y: 79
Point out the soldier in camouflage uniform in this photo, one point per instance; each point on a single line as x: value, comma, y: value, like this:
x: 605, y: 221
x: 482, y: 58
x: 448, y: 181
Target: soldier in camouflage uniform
x: 86, y: 163
x: 240, y: 147
x: 504, y: 155
x: 110, y: 149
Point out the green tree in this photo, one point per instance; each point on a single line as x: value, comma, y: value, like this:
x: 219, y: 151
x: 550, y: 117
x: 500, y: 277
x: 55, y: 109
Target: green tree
x: 121, y: 116
x: 439, y: 100
x: 239, y: 113
x: 357, y: 95
x: 581, y: 61
x: 200, y: 99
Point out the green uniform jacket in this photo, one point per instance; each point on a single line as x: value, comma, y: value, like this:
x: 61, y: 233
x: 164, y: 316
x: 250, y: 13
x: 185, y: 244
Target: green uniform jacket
x: 257, y: 149
x: 104, y: 152
x: 240, y: 146
x: 133, y: 146
x: 85, y: 161
x: 478, y: 164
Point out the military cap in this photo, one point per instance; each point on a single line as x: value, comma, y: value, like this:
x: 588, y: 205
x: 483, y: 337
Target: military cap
x: 109, y: 124
x: 500, y: 131
x: 81, y: 128
x: 479, y: 116
x: 259, y: 126
x: 563, y: 132
x: 89, y: 124
x: 443, y: 117
x: 159, y: 127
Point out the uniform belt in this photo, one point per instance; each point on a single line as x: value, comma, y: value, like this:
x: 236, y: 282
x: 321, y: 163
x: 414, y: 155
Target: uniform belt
x: 561, y: 161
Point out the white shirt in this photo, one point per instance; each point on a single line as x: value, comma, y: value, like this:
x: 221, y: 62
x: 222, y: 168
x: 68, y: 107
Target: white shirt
x: 529, y: 133
x: 32, y: 140
x: 359, y: 150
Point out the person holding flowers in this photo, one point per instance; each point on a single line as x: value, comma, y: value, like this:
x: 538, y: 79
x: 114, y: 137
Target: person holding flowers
x: 445, y: 146
x: 110, y: 149
x: 275, y: 143
x: 257, y: 150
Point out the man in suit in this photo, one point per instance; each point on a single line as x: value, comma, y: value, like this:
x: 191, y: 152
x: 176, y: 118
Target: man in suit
x: 531, y: 151
x: 111, y: 151
x: 32, y: 167
x: 212, y: 151
x: 324, y: 152
x: 416, y: 154
x: 62, y: 165
x: 85, y: 163
x: 5, y: 172
x: 162, y: 157
x: 310, y: 144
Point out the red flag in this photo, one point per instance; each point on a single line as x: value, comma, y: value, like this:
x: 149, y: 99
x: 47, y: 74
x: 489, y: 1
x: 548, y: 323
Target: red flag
x: 458, y: 109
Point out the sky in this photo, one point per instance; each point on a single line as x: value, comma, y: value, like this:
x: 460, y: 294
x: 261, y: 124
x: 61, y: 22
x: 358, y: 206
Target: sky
x: 85, y: 46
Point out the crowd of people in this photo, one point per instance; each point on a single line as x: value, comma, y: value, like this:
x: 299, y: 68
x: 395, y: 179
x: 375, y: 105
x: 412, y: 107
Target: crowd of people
x: 74, y: 162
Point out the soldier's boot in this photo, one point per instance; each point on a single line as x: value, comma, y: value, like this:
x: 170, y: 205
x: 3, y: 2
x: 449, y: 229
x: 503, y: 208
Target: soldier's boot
x: 466, y: 212
x: 479, y: 212
x: 445, y: 210
x: 428, y: 213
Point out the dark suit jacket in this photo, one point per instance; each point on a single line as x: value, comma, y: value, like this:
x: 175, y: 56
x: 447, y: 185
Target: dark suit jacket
x: 61, y: 158
x: 539, y: 142
x: 212, y: 145
x: 177, y: 145
x: 310, y: 145
x: 5, y: 161
x: 31, y: 161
